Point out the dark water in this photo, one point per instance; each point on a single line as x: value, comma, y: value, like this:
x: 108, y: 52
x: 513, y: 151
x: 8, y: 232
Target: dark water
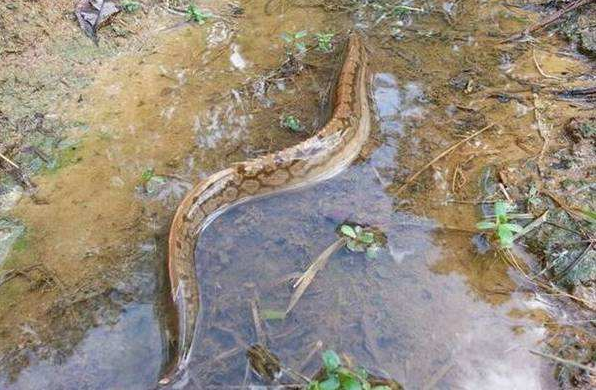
x: 393, y: 313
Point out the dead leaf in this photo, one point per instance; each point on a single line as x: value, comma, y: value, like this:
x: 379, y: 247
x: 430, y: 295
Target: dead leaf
x: 93, y: 14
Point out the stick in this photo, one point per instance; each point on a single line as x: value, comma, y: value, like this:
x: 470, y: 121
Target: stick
x: 450, y: 149
x: 542, y: 72
x: 532, y: 225
x: 318, y: 346
x: 564, y: 361
x: 302, y: 284
x: 548, y: 20
x: 574, y: 262
x: 9, y: 161
x: 261, y: 337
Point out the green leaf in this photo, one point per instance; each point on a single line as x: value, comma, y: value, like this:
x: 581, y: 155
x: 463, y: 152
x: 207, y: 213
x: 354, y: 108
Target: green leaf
x: 331, y: 360
x: 514, y: 227
x: 349, y: 382
x: 314, y: 385
x: 300, y: 34
x: 367, y: 237
x: 589, y: 215
x: 347, y: 230
x: 286, y: 38
x: 358, y: 229
x: 273, y: 314
x: 501, y: 208
x: 331, y: 383
x: 505, y: 236
x: 486, y: 225
x: 147, y: 175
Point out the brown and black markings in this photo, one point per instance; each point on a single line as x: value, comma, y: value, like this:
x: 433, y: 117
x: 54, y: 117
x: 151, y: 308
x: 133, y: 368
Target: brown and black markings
x: 318, y: 158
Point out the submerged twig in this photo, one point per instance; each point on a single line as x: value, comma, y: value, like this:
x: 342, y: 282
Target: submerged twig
x: 318, y: 346
x: 306, y: 279
x: 564, y: 361
x: 548, y: 20
x: 261, y: 336
x: 574, y: 262
x: 541, y: 71
x: 450, y: 149
x: 532, y: 225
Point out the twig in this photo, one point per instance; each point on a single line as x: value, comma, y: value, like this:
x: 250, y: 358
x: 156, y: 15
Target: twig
x: 505, y: 193
x: 509, y: 257
x: 540, y: 68
x: 9, y: 161
x: 564, y: 361
x: 532, y: 225
x: 574, y: 262
x: 261, y: 336
x: 548, y: 20
x: 450, y: 149
x: 318, y: 346
x: 305, y: 280
x: 543, y: 129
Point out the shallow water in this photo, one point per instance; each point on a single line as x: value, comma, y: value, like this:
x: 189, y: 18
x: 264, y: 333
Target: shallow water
x: 395, y: 314
x: 430, y: 312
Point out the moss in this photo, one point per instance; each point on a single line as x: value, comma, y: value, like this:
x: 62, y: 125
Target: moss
x: 66, y: 157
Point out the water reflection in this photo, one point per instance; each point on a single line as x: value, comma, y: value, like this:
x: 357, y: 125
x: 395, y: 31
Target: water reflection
x: 110, y: 354
x: 395, y: 313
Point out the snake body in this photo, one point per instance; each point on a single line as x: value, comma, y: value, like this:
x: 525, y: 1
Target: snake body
x: 320, y: 157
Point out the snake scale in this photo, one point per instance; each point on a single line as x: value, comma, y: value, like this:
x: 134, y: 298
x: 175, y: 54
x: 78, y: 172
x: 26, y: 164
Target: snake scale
x: 320, y: 157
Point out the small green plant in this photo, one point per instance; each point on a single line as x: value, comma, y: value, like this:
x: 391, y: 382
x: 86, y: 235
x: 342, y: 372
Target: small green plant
x: 147, y: 175
x: 295, y: 41
x: 292, y: 123
x: 338, y: 377
x: 130, y: 6
x: 324, y: 41
x: 499, y: 223
x: 197, y: 15
x: 361, y: 239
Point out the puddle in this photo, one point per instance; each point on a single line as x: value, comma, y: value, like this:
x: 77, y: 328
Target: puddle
x: 430, y: 312
x: 394, y: 314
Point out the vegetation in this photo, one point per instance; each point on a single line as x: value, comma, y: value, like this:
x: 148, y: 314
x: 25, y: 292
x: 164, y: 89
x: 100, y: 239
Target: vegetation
x: 292, y: 123
x: 197, y: 15
x: 338, y: 377
x: 501, y: 225
x: 130, y: 5
x: 295, y: 41
x: 360, y: 239
x: 324, y: 41
x: 147, y: 175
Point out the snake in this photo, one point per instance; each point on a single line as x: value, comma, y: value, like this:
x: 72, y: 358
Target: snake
x: 329, y: 151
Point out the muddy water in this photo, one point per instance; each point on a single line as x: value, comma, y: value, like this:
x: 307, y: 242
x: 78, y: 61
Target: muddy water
x: 430, y: 311
x: 394, y: 314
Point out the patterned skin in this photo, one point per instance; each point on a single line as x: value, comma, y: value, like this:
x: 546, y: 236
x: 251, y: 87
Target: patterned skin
x: 318, y: 158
